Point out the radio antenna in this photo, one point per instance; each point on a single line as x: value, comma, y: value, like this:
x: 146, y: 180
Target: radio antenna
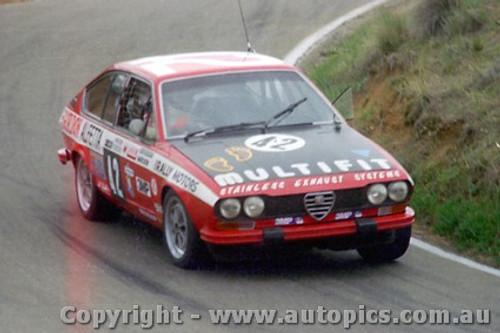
x: 249, y: 45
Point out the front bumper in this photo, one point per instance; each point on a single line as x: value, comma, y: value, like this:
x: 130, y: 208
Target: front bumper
x: 364, y: 227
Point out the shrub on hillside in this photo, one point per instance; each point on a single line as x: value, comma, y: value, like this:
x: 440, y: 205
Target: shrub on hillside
x: 431, y: 16
x: 392, y: 33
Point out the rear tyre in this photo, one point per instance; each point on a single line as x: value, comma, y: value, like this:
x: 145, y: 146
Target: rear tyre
x: 184, y: 247
x: 387, y: 252
x: 93, y: 205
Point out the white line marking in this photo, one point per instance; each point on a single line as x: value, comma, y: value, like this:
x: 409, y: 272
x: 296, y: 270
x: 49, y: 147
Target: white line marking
x: 302, y: 48
x: 305, y: 45
x: 453, y: 257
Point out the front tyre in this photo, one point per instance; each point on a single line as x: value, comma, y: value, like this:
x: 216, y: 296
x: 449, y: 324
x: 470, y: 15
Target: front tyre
x: 387, y: 252
x: 184, y: 246
x: 93, y: 205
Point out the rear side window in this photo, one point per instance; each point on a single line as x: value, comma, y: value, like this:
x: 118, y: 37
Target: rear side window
x: 96, y: 96
x: 103, y: 96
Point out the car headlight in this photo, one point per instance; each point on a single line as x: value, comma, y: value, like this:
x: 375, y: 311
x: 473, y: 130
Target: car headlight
x: 377, y: 194
x: 253, y: 206
x: 230, y: 208
x: 398, y: 191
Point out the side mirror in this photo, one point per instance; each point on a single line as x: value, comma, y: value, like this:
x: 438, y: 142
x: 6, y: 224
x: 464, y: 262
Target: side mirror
x: 344, y: 104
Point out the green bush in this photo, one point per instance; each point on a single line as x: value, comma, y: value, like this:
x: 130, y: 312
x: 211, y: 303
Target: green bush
x: 392, y: 33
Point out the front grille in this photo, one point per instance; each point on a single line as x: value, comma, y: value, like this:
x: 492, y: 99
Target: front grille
x: 293, y: 205
x: 319, y: 204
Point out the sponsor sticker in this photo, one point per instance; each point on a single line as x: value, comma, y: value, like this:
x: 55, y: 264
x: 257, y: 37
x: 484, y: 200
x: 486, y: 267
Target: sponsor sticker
x: 143, y: 160
x: 274, y: 143
x: 348, y: 215
x: 71, y: 123
x: 240, y: 154
x: 129, y: 171
x: 219, y: 164
x: 143, y: 186
x: 372, y: 169
x: 130, y: 150
x: 130, y: 187
x: 154, y: 186
x: 97, y: 165
x: 288, y: 220
x: 91, y: 135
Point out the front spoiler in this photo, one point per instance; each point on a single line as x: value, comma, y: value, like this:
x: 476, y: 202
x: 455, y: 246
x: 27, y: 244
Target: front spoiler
x: 362, y: 227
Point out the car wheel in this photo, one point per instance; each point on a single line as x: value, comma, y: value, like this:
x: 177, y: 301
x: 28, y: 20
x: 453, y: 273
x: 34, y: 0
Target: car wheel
x: 388, y: 252
x: 93, y: 205
x: 184, y: 246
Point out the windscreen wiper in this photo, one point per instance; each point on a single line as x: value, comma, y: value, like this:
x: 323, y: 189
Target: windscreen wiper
x: 280, y: 116
x: 226, y: 128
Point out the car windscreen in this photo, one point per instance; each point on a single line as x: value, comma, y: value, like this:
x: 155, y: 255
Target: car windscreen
x: 233, y: 98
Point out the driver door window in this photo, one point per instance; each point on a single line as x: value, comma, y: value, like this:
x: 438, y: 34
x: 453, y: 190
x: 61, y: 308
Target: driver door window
x: 135, y: 110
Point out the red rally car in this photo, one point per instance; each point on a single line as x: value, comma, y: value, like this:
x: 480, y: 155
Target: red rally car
x: 232, y: 148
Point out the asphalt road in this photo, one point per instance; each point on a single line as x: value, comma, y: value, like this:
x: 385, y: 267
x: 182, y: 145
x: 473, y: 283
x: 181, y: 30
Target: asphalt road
x: 50, y: 257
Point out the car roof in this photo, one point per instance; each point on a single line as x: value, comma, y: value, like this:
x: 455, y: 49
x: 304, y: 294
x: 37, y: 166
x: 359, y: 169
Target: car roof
x: 194, y: 64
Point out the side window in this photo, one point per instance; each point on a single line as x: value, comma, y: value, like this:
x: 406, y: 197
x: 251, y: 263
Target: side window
x: 135, y: 110
x: 113, y: 98
x: 96, y: 96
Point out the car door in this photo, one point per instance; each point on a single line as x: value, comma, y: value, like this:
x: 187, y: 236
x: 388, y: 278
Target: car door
x: 136, y: 123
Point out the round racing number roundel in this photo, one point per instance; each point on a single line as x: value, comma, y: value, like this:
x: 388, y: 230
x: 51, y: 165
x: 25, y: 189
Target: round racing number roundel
x: 273, y: 143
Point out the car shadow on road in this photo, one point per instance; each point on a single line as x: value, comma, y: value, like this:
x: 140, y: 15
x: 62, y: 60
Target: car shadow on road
x: 270, y: 261
x: 314, y: 262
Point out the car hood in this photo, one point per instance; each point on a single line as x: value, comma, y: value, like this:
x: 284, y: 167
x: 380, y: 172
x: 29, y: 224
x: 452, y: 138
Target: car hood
x: 250, y: 156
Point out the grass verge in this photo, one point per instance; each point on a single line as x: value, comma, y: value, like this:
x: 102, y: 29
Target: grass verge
x: 426, y: 77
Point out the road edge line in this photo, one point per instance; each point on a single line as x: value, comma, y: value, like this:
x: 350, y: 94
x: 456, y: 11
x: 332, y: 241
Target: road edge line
x: 453, y: 257
x: 309, y: 43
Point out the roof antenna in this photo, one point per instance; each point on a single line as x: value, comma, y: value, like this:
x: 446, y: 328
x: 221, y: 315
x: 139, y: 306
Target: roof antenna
x: 249, y: 45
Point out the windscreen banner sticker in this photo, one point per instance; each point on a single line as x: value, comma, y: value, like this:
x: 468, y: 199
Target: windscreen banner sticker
x: 112, y: 166
x: 274, y: 143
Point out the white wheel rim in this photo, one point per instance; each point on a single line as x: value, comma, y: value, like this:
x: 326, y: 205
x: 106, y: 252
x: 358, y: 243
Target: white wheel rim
x: 84, y: 186
x: 176, y: 228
